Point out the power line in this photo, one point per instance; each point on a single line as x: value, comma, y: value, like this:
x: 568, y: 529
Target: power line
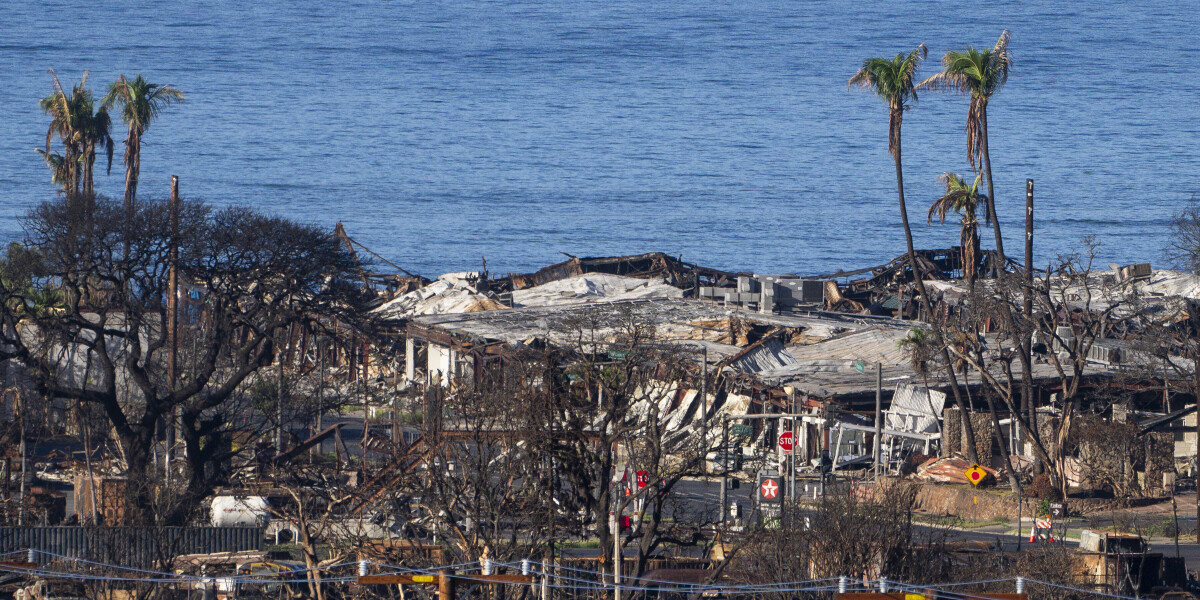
x: 578, y: 581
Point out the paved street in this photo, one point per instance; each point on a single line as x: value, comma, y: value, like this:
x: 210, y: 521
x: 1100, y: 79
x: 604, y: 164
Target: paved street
x: 703, y: 497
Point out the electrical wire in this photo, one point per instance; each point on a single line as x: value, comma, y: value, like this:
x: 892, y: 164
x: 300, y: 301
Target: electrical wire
x: 577, y: 582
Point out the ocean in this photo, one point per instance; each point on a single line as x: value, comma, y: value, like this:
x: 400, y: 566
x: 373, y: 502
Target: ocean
x: 446, y: 133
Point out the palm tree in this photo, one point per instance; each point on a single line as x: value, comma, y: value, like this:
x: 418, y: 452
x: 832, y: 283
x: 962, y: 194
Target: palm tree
x: 60, y: 169
x: 65, y: 123
x: 140, y: 102
x: 980, y: 74
x: 893, y: 81
x: 80, y: 130
x: 963, y: 198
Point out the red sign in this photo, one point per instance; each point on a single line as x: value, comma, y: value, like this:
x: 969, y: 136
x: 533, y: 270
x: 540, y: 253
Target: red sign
x: 769, y: 489
x: 643, y: 478
x: 787, y: 441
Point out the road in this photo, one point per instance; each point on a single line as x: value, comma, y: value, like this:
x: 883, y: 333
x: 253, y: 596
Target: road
x: 703, y: 498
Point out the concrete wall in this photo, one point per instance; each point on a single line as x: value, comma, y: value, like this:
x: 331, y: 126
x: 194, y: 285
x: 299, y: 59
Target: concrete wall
x: 441, y: 363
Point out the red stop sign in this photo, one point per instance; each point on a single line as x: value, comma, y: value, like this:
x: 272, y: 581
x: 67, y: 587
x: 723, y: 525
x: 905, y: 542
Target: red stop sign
x: 643, y: 478
x: 787, y: 441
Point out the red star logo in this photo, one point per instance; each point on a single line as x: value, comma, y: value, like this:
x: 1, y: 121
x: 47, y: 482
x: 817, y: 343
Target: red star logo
x: 770, y: 489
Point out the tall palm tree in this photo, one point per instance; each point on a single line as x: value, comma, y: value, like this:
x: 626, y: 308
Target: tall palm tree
x: 140, y: 102
x: 893, y: 81
x: 65, y: 124
x: 980, y: 74
x: 963, y: 198
x: 80, y: 128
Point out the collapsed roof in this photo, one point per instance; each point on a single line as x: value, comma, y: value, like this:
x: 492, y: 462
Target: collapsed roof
x: 593, y: 287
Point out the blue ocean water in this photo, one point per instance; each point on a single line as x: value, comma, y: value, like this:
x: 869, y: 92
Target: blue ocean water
x: 441, y: 133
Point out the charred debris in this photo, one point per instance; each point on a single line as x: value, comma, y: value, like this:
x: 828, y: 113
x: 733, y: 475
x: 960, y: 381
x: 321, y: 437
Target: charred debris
x: 340, y: 433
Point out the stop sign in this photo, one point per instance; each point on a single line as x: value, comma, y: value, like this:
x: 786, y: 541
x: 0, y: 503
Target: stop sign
x: 643, y: 478
x: 787, y: 441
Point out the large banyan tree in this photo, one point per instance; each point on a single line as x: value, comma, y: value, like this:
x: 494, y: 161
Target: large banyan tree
x: 87, y: 323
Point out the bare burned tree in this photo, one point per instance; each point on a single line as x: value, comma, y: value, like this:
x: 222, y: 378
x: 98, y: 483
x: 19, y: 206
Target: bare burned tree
x: 1166, y: 347
x: 659, y: 458
x: 481, y: 486
x: 851, y: 533
x: 1072, y: 309
x: 607, y: 417
x: 1110, y: 454
x: 865, y: 534
x: 1184, y: 249
x: 74, y: 301
x: 531, y: 450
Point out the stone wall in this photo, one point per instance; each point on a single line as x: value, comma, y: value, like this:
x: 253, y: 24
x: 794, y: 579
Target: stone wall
x: 1160, y: 461
x: 977, y: 505
x: 952, y: 439
x: 951, y: 433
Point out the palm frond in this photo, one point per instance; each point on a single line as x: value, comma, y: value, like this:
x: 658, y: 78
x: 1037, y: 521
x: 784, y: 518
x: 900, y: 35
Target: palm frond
x: 1002, y: 57
x: 141, y: 101
x: 58, y: 90
x: 910, y: 65
x: 946, y: 81
x: 60, y: 167
x: 892, y: 80
x: 960, y: 197
x: 861, y: 79
x: 102, y: 126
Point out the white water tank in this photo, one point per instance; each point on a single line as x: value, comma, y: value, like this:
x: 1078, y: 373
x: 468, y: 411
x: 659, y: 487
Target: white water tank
x: 240, y: 511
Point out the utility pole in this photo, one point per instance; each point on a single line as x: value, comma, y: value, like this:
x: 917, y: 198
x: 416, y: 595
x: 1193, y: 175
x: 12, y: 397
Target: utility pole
x: 172, y: 319
x: 792, y: 455
x: 824, y: 445
x: 725, y: 466
x: 704, y: 407
x: 24, y: 458
x: 878, y: 419
x: 446, y: 585
x: 366, y: 397
x: 545, y: 579
x: 1027, y: 351
x: 615, y: 519
x: 279, y: 403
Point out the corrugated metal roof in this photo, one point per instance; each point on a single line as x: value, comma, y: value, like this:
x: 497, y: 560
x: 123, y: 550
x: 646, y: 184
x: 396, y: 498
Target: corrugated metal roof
x: 141, y: 547
x: 914, y: 409
x: 769, y: 355
x: 876, y: 344
x: 594, y: 287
